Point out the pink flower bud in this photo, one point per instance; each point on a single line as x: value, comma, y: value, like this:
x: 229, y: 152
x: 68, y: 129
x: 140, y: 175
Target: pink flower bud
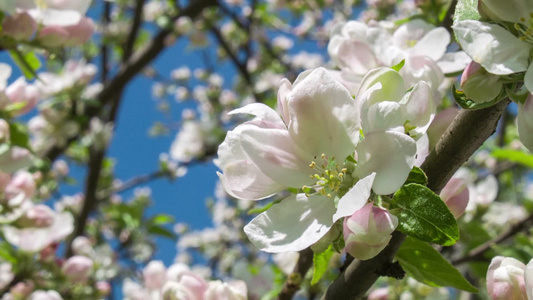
x: 456, y: 195
x: 22, y: 289
x: 368, y: 231
x: 525, y: 122
x: 19, y: 26
x: 80, y: 33
x: 53, y: 36
x: 154, y: 275
x: 505, y: 279
x: 78, y: 268
x: 478, y: 84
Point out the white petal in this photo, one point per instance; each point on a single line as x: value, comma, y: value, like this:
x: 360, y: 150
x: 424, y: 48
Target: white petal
x: 420, y: 108
x: 453, y: 62
x: 263, y: 113
x: 357, y: 56
x: 392, y: 83
x: 292, y: 225
x: 433, y: 44
x: 528, y: 278
x: 510, y: 10
x: 390, y: 154
x: 276, y: 155
x: 348, y: 79
x: 355, y: 198
x: 54, y: 17
x: 324, y: 117
x: 493, y: 47
x: 384, y: 115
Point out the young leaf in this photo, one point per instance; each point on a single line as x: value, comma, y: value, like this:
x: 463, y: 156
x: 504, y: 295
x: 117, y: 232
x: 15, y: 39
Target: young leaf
x: 320, y: 264
x: 425, y: 264
x: 417, y: 176
x: 28, y: 63
x: 466, y: 103
x: 466, y: 10
x: 19, y: 135
x: 515, y: 156
x: 422, y: 214
x: 398, y: 66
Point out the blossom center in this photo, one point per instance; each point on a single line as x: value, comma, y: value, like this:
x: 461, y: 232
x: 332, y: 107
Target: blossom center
x: 329, y: 177
x: 525, y: 28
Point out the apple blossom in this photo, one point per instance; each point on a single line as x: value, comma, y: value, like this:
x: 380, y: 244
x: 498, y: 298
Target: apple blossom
x: 456, y: 195
x: 23, y: 182
x: 78, y: 268
x: 318, y: 123
x: 53, y: 12
x: 22, y: 92
x: 479, y: 85
x: 505, y: 279
x: 45, y: 295
x: 358, y: 48
x: 154, y: 275
x: 368, y: 231
x: 219, y: 290
x: 525, y: 122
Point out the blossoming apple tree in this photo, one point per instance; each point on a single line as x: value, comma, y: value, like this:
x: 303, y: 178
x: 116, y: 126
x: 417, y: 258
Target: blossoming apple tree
x: 377, y: 149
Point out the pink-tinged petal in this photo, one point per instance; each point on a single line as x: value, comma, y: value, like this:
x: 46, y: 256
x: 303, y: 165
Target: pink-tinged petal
x: 525, y: 122
x: 440, y: 123
x: 276, y: 155
x: 420, y: 108
x: 292, y: 225
x: 433, y: 44
x: 392, y: 89
x: 391, y: 155
x: 505, y: 279
x: 243, y: 180
x: 348, y: 79
x: 355, y: 198
x: 456, y: 195
x: 421, y: 68
x: 357, y: 56
x: 285, y: 87
x: 453, y: 62
x: 493, y: 47
x: 324, y: 117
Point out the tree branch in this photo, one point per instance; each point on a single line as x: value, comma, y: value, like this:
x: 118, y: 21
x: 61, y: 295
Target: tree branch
x: 464, y: 136
x: 292, y: 285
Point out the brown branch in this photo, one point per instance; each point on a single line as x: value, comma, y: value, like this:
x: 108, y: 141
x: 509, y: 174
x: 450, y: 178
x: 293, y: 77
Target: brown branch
x: 466, y: 134
x: 477, y: 253
x: 132, y: 36
x: 292, y: 285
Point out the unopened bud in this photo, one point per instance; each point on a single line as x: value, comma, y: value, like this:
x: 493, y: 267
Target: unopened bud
x: 478, y: 84
x: 78, y: 268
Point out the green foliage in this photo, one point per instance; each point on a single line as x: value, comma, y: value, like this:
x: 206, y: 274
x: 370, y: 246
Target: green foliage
x: 417, y: 176
x: 28, y: 63
x: 515, y: 156
x: 398, y: 66
x: 19, y: 135
x: 423, y: 215
x: 466, y: 10
x: 320, y: 263
x: 425, y: 264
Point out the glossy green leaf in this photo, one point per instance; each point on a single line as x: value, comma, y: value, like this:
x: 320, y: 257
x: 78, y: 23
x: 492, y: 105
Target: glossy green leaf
x: 422, y: 214
x: 417, y: 176
x: 320, y: 264
x: 425, y: 264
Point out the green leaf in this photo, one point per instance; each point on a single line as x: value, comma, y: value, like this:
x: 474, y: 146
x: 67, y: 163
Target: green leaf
x: 417, y: 176
x: 515, y: 156
x: 28, y: 63
x: 425, y: 264
x: 466, y: 103
x: 466, y: 10
x: 398, y: 66
x: 6, y: 253
x: 161, y: 231
x: 161, y: 219
x: 422, y: 214
x: 19, y: 135
x: 320, y: 264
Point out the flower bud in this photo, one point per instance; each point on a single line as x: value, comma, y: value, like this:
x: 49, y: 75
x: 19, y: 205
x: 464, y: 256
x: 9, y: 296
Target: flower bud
x: 456, y: 195
x: 19, y: 26
x: 478, y: 84
x: 505, y: 279
x: 368, y: 231
x: 53, y: 36
x: 525, y: 122
x: 154, y: 275
x: 22, y: 290
x: 78, y: 268
x: 22, y: 92
x: 80, y: 33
